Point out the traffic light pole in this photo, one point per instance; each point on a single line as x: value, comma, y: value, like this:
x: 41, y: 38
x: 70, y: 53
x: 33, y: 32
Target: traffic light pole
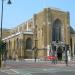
x: 35, y: 50
x: 0, y: 60
x: 66, y: 57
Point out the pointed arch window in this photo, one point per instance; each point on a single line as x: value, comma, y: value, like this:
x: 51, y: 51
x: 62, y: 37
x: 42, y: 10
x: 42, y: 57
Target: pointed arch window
x: 56, y: 30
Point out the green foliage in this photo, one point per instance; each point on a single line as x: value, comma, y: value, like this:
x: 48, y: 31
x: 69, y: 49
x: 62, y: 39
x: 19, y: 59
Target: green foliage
x: 2, y: 46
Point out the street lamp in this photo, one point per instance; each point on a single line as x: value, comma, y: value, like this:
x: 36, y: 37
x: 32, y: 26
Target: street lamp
x: 9, y: 2
x: 2, y: 6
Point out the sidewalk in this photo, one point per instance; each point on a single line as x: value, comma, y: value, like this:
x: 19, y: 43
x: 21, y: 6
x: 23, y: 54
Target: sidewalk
x: 25, y: 64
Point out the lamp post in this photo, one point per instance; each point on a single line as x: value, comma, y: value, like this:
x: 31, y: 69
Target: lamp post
x: 35, y: 51
x: 9, y: 2
x: 66, y: 56
x: 2, y: 7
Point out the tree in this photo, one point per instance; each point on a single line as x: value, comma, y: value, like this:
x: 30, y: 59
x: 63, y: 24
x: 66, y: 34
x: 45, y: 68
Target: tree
x: 2, y: 50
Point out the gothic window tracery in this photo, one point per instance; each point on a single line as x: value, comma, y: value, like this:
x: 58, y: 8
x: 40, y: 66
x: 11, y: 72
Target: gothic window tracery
x: 56, y: 30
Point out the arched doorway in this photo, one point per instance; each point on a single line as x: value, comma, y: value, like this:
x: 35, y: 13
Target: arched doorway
x: 59, y: 53
x: 28, y: 52
x: 29, y: 43
x: 56, y: 30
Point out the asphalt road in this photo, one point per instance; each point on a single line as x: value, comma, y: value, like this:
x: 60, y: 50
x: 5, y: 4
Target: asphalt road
x: 39, y: 71
x: 38, y: 68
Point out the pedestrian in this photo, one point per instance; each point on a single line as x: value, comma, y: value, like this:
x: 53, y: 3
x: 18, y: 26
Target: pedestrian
x: 54, y: 60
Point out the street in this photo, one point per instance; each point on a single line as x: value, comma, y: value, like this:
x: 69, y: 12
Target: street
x: 38, y: 68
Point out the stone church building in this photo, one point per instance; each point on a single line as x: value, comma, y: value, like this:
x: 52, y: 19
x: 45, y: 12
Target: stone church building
x: 45, y: 31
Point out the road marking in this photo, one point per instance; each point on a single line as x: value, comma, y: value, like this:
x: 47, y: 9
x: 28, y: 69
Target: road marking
x: 57, y: 70
x: 35, y: 70
x: 41, y: 70
x: 45, y: 69
x: 71, y: 70
x: 27, y: 74
x: 10, y: 71
x: 15, y: 71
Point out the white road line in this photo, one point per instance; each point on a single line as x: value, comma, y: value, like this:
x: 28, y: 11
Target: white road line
x: 10, y: 71
x: 15, y: 71
x: 71, y: 70
x: 44, y: 69
x: 56, y: 70
x: 27, y: 74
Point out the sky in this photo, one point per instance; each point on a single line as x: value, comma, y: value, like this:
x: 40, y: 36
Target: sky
x: 22, y: 10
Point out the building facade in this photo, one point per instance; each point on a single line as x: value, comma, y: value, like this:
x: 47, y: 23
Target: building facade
x: 45, y: 30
